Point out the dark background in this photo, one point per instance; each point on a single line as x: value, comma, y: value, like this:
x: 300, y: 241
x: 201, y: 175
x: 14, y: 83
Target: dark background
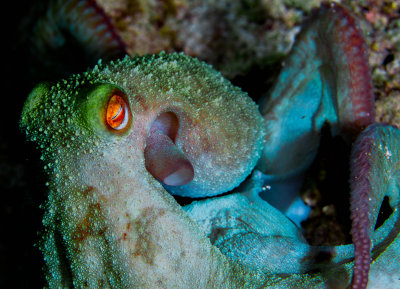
x: 21, y: 180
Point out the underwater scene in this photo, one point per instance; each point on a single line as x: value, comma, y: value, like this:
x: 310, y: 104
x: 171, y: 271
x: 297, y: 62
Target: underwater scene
x: 201, y: 144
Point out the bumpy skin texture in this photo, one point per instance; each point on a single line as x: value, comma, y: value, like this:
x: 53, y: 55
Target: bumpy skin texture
x: 109, y: 223
x: 253, y: 233
x: 106, y: 214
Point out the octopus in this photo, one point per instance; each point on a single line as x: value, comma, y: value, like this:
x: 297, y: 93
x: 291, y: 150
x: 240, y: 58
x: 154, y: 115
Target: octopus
x: 120, y: 140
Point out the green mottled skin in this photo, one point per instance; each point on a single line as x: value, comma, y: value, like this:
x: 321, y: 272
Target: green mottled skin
x: 109, y: 224
x: 105, y: 214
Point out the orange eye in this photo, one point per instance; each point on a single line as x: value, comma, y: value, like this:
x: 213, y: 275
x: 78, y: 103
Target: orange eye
x: 117, y: 116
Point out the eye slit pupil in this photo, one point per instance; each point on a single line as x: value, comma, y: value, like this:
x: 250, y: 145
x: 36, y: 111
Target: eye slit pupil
x: 117, y: 112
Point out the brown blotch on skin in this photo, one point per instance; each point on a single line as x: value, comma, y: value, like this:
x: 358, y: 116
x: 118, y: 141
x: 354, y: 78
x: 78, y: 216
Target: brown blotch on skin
x: 125, y: 234
x: 87, y: 227
x: 145, y: 246
x: 88, y: 191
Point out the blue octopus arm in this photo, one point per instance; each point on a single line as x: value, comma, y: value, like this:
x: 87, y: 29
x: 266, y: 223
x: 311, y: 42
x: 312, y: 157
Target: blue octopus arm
x: 325, y: 80
x: 251, y: 232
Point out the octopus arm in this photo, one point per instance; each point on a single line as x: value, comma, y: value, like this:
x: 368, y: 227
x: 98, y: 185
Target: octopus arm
x: 325, y: 80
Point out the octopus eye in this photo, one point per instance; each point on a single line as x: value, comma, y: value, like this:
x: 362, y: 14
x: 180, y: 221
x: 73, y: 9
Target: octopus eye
x: 117, y: 115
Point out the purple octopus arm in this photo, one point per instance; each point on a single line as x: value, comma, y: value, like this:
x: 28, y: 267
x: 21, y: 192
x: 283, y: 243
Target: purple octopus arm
x: 375, y: 174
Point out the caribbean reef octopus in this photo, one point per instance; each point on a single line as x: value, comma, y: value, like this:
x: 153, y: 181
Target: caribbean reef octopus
x: 119, y: 140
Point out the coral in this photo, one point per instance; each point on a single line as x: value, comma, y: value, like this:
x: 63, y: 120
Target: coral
x: 234, y: 36
x: 388, y: 108
x: 76, y: 31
